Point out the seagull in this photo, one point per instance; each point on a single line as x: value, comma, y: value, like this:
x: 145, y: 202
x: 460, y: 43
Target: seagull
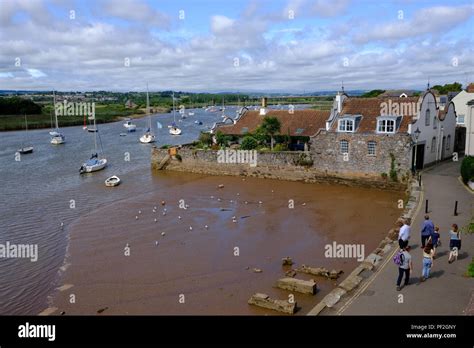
x: 238, y: 194
x: 260, y: 202
x: 139, y: 212
x: 234, y: 219
x: 136, y: 217
x: 218, y: 199
x: 156, y: 242
x: 62, y: 224
x: 163, y: 233
x: 206, y: 227
x: 179, y: 217
x: 164, y: 213
x: 163, y: 202
x: 212, y: 197
x: 246, y: 202
x: 303, y: 204
x: 156, y: 220
x: 154, y: 208
x: 190, y: 228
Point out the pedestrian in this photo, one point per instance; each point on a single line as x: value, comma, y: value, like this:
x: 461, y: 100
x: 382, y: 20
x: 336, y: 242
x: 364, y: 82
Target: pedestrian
x: 427, y: 261
x: 404, y: 266
x: 404, y: 233
x: 434, y: 240
x: 454, y: 242
x: 426, y: 230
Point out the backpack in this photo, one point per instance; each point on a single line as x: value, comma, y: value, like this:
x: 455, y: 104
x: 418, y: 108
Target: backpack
x: 398, y: 258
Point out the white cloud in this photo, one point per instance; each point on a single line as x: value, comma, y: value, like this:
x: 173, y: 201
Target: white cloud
x: 426, y: 21
x: 35, y: 73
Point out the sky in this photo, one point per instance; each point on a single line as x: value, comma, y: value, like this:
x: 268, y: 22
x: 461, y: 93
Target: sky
x: 292, y: 46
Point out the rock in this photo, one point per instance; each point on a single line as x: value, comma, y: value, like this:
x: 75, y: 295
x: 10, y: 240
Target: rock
x: 287, y: 261
x: 291, y: 273
x: 263, y: 300
x: 298, y: 285
x: 102, y: 310
x: 335, y: 274
x: 350, y: 282
x: 320, y: 271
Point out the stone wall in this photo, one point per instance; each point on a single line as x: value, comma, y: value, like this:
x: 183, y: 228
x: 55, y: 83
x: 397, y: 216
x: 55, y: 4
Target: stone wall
x: 272, y: 165
x: 327, y: 157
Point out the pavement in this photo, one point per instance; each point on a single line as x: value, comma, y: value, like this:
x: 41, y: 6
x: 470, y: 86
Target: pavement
x: 448, y: 291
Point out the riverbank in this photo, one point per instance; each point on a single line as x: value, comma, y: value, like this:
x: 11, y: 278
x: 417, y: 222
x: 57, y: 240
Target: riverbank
x: 202, y: 263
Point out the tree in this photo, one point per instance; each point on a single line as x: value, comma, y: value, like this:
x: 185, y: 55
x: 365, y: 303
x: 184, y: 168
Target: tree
x: 449, y: 87
x: 222, y: 139
x: 205, y: 138
x: 271, y: 126
x: 373, y: 93
x: 249, y: 143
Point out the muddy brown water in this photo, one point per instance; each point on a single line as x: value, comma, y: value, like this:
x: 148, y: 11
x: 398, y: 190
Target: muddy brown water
x: 210, y: 270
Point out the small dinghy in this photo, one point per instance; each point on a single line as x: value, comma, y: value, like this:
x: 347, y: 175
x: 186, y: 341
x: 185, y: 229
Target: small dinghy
x: 123, y: 134
x: 25, y: 150
x: 112, y: 181
x: 198, y: 122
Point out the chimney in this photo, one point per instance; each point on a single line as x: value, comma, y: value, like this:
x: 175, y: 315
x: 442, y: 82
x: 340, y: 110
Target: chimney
x: 263, y: 109
x: 339, y: 102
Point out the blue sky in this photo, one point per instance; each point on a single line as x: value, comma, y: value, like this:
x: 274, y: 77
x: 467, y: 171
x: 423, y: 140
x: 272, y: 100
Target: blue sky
x: 291, y: 45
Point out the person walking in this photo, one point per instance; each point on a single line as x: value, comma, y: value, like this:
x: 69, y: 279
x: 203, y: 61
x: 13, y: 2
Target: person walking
x: 404, y: 234
x: 426, y: 230
x: 405, y: 267
x: 454, y: 242
x: 428, y: 253
x: 434, y: 240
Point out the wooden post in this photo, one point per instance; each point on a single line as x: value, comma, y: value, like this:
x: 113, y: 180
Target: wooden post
x: 426, y: 207
x: 456, y: 208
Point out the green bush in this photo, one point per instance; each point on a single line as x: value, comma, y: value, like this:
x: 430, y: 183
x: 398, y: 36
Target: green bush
x: 165, y: 146
x: 470, y: 269
x: 467, y: 169
x: 280, y: 147
x: 205, y: 138
x: 249, y: 143
x: 384, y: 176
x: 178, y: 157
x: 393, y: 170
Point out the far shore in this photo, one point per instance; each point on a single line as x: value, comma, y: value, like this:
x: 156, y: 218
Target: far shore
x: 44, y: 121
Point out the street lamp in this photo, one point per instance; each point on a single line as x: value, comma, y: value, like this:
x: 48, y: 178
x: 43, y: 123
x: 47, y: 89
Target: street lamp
x: 417, y: 135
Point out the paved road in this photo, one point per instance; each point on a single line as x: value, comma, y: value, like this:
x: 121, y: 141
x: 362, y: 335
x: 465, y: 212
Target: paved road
x: 448, y: 291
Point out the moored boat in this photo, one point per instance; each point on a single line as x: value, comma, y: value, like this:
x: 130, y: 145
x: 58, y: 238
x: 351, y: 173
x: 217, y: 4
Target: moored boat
x: 114, y: 180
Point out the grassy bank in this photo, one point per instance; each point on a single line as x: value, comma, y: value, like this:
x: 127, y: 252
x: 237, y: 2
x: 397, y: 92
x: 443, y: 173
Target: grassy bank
x: 104, y: 114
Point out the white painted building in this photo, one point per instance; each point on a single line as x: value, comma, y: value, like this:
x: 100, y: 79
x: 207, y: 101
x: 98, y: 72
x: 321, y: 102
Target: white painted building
x: 469, y: 124
x: 436, y: 128
x: 462, y: 110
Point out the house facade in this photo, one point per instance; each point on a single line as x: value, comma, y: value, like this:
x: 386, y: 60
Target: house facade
x: 462, y: 111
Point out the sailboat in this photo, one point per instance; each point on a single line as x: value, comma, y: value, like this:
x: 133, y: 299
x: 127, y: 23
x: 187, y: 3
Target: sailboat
x: 174, y: 130
x: 191, y: 113
x: 148, y: 137
x: 56, y: 137
x: 25, y: 149
x: 94, y: 163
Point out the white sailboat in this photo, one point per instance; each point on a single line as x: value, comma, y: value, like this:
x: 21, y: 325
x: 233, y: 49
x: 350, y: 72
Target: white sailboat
x: 148, y: 137
x: 25, y: 149
x: 191, y: 113
x: 173, y: 129
x: 130, y: 126
x: 94, y: 163
x: 56, y: 136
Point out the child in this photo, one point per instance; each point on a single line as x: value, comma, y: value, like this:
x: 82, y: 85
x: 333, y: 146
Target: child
x: 427, y: 261
x: 454, y: 243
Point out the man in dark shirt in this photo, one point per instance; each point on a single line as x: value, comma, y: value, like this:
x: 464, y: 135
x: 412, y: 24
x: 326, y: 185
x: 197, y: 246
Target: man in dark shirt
x: 426, y: 230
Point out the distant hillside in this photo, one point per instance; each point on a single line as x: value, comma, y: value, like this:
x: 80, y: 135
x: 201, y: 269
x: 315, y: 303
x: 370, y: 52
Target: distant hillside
x: 18, y: 106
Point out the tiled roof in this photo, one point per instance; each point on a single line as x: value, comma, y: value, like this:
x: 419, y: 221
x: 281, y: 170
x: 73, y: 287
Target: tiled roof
x: 371, y: 108
x: 470, y: 88
x: 299, y: 123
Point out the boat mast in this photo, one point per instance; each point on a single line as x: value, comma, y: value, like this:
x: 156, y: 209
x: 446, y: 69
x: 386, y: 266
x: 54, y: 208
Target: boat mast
x: 54, y: 107
x: 148, y: 108
x: 174, y: 114
x: 95, y: 136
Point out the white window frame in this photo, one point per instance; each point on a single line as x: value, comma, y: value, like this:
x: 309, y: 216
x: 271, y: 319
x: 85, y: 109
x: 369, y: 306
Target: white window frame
x: 374, y: 148
x: 433, y: 144
x: 458, y: 119
x: 343, y: 123
x: 340, y: 146
x: 382, y: 125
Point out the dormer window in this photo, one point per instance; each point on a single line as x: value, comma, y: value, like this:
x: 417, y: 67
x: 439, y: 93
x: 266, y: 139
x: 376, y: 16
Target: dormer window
x: 348, y: 124
x: 386, y: 125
